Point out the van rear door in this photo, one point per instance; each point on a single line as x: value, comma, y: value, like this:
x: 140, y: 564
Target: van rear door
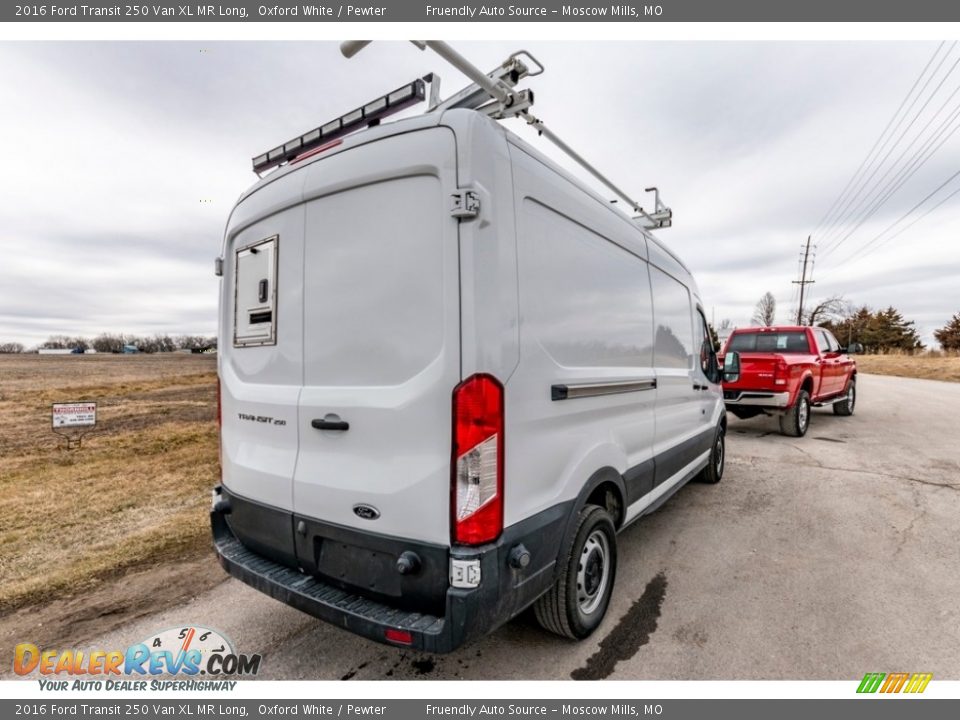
x: 261, y: 362
x: 381, y: 343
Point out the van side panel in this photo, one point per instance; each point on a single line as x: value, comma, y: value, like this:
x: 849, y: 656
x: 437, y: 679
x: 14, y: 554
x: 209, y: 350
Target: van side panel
x: 488, y: 252
x: 586, y: 319
x: 678, y: 400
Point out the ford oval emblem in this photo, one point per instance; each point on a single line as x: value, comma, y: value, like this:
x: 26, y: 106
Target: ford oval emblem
x: 367, y: 512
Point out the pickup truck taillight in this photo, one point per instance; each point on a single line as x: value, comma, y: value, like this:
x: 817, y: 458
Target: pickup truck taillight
x: 781, y: 372
x: 477, y: 467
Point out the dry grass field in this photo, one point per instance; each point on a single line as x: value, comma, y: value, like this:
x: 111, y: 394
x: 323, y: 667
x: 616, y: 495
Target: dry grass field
x: 118, y: 527
x: 931, y: 366
x: 135, y: 495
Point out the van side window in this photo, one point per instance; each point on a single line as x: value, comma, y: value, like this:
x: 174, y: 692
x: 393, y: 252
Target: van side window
x: 604, y: 318
x: 704, y: 343
x: 673, y: 335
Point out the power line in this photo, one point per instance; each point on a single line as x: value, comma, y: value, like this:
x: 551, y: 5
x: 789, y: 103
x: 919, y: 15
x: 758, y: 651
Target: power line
x: 907, y: 172
x: 864, y: 179
x: 866, y: 249
x: 911, y: 224
x: 856, y: 174
x: 850, y: 209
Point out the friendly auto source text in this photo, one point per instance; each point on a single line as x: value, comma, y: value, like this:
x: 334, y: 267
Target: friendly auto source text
x: 469, y: 710
x: 481, y: 11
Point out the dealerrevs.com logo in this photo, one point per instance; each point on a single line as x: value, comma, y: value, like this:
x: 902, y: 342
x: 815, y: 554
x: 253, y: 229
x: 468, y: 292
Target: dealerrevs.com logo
x: 190, y: 651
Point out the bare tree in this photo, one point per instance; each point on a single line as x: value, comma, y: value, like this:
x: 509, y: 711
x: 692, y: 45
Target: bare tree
x: 108, y: 343
x: 11, y: 348
x: 56, y: 342
x: 834, y: 309
x: 765, y: 312
x: 189, y: 342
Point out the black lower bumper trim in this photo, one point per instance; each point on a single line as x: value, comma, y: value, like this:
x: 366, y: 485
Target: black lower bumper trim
x: 354, y: 613
x: 458, y: 616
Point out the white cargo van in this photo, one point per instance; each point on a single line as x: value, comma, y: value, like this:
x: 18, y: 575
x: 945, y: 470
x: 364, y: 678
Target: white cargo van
x: 450, y: 374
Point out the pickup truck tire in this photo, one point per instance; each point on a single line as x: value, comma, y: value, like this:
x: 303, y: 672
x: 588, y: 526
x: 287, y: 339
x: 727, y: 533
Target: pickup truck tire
x: 795, y: 421
x: 576, y: 604
x: 844, y: 408
x: 713, y: 472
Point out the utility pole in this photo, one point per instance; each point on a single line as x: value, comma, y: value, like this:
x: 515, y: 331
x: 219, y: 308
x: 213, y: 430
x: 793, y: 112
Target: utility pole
x: 803, y: 282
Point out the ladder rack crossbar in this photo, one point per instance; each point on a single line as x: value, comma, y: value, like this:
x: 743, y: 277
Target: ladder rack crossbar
x: 495, y: 95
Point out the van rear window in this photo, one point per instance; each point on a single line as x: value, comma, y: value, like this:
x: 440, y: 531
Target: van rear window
x: 775, y: 342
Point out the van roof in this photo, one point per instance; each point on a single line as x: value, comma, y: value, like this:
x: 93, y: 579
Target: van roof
x: 459, y: 119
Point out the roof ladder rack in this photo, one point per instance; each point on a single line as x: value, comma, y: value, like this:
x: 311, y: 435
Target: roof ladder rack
x: 495, y: 95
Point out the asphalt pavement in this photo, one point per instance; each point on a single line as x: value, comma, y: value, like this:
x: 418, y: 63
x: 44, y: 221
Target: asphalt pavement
x: 823, y: 557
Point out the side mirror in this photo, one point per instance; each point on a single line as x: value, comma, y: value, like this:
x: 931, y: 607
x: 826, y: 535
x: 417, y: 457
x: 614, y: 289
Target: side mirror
x: 854, y: 348
x: 731, y: 367
x: 708, y: 361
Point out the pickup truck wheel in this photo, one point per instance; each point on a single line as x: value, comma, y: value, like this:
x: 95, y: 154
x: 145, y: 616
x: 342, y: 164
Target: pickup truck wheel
x: 844, y: 408
x: 713, y: 472
x: 576, y: 604
x: 795, y: 421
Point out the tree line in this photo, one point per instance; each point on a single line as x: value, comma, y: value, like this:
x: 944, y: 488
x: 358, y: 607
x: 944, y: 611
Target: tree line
x: 116, y: 342
x: 879, y: 331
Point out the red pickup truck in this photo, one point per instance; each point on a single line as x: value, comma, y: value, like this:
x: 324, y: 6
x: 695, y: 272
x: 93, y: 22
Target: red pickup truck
x: 786, y: 370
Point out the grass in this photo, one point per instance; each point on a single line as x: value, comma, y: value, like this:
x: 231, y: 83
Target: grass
x: 135, y: 494
x: 927, y: 366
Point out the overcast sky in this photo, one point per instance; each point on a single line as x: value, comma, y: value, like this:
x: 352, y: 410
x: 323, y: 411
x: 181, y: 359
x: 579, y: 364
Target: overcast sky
x: 122, y: 161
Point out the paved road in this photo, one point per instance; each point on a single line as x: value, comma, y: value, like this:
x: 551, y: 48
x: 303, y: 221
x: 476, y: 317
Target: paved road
x: 816, y: 558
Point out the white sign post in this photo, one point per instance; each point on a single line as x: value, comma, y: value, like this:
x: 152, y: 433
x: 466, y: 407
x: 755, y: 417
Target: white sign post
x: 73, y: 420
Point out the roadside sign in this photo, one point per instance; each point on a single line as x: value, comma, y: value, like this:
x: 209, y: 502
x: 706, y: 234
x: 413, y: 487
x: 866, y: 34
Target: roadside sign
x: 73, y: 420
x: 74, y: 414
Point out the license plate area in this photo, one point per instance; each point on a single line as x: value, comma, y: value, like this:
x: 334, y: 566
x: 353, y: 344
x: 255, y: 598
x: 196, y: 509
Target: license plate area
x: 369, y: 570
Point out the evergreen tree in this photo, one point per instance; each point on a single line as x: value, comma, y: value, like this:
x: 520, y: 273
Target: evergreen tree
x: 949, y: 335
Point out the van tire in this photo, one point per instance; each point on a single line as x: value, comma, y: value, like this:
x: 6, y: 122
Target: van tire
x: 713, y: 472
x: 844, y: 408
x: 561, y: 609
x: 795, y: 421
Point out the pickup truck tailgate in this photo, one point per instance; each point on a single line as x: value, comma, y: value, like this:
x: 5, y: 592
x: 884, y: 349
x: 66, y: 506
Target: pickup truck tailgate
x: 758, y: 371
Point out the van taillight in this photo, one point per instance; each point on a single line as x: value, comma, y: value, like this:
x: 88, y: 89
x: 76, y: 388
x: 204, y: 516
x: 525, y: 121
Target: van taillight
x: 477, y: 466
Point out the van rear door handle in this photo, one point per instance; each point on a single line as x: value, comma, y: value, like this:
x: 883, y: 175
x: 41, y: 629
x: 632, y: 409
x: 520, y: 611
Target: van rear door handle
x: 333, y: 423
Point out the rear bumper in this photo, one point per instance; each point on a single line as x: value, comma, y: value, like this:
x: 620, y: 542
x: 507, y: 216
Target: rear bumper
x: 756, y: 398
x: 504, y: 591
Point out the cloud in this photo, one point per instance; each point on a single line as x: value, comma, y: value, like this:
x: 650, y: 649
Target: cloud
x: 122, y: 161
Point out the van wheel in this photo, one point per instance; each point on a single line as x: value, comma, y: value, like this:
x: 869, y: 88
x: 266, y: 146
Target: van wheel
x: 713, y: 472
x: 795, y: 421
x: 845, y: 406
x: 576, y: 604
